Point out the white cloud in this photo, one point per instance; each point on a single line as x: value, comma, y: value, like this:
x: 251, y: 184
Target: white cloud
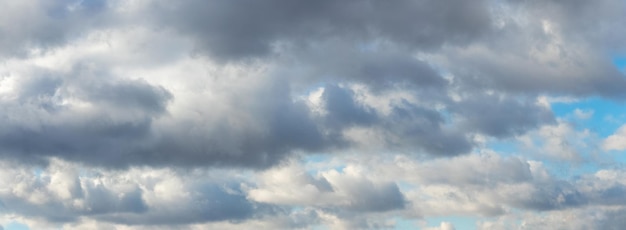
x: 583, y: 114
x: 560, y: 141
x: 350, y: 189
x: 617, y: 141
x: 443, y: 226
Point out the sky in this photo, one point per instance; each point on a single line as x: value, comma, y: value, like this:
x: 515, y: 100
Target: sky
x: 325, y: 114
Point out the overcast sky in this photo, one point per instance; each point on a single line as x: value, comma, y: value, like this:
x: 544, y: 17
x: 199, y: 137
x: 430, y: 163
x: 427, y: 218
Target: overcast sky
x: 312, y: 114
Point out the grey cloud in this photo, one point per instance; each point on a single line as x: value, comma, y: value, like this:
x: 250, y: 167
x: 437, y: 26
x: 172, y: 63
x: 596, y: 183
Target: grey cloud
x: 242, y: 102
x: 64, y: 8
x: 123, y: 129
x: 381, y: 66
x: 610, y: 196
x: 382, y: 198
x: 239, y: 29
x: 491, y: 185
x: 389, y: 71
x: 547, y: 47
x: 280, y: 126
x: 48, y: 88
x: 130, y: 130
x: 104, y: 201
x: 137, y: 95
x: 407, y: 126
x: 120, y: 129
x: 472, y: 170
x: 604, y: 187
x: 38, y: 87
x: 65, y: 199
x: 550, y: 196
x: 584, y: 21
x: 512, y: 72
x: 48, y: 24
x: 500, y: 116
x: 423, y: 128
x: 343, y: 110
x: 210, y: 203
x: 613, y: 220
x: 88, y: 141
x: 339, y: 192
x: 121, y: 116
x: 59, y: 194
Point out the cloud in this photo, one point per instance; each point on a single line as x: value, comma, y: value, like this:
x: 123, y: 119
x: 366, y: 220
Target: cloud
x: 561, y: 141
x: 247, y: 114
x: 549, y: 47
x: 291, y: 185
x: 443, y: 226
x: 583, y: 114
x: 279, y: 114
x: 45, y: 25
x: 616, y: 141
x: 364, y: 193
x: 585, y: 218
x: 230, y: 30
x: 484, y: 113
x: 63, y: 193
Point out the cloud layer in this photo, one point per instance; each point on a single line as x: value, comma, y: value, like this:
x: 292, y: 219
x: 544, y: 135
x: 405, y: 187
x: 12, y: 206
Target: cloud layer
x: 282, y: 114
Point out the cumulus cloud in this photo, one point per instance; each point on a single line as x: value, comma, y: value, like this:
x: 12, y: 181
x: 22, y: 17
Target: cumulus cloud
x: 349, y: 189
x: 561, y: 141
x: 243, y: 81
x: 212, y: 114
x: 64, y: 192
x: 617, y: 141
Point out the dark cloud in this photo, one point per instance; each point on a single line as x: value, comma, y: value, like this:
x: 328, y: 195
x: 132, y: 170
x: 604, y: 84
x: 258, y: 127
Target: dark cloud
x: 100, y: 200
x: 382, y: 198
x: 121, y: 116
x: 242, y: 29
x: 43, y: 25
x: 373, y: 43
x: 248, y: 84
x: 612, y: 220
x: 411, y: 126
x: 547, y: 47
x: 53, y: 196
x: 499, y: 116
x: 343, y: 110
x: 550, y: 196
x: 60, y: 194
x: 210, y: 203
x: 379, y: 65
x: 598, y: 24
x: 121, y: 132
x: 434, y: 51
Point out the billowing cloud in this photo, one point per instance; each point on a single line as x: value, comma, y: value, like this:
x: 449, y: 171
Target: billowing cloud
x: 64, y: 193
x: 349, y: 189
x: 239, y: 114
x: 617, y: 141
x: 257, y: 66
